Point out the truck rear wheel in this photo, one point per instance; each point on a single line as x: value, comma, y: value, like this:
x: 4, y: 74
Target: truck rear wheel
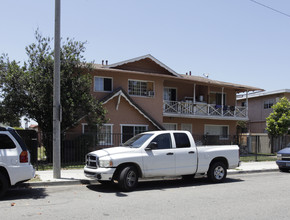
x: 4, y: 184
x: 217, y: 172
x: 128, y: 178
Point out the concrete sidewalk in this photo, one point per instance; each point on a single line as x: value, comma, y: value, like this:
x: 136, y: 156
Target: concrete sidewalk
x: 76, y: 176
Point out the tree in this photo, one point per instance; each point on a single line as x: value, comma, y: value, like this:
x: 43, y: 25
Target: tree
x: 28, y: 89
x: 278, y: 121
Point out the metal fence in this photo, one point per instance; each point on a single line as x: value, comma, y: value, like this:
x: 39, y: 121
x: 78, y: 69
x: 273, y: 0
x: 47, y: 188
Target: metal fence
x: 74, y: 146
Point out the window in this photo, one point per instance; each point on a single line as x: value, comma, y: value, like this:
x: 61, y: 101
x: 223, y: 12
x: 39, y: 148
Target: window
x: 163, y: 141
x: 268, y: 103
x: 141, y: 88
x: 186, y: 127
x: 102, y: 84
x: 6, y: 142
x: 170, y: 126
x: 181, y: 140
x: 129, y: 131
x: 216, y: 98
x: 219, y: 130
x: 105, y: 135
x: 85, y: 128
x: 169, y: 94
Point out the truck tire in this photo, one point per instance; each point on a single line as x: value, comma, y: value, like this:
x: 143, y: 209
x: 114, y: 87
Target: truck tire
x: 283, y: 169
x: 128, y: 178
x: 217, y: 172
x: 4, y: 184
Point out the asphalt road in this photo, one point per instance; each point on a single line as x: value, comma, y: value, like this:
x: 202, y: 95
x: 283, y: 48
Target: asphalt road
x: 242, y: 196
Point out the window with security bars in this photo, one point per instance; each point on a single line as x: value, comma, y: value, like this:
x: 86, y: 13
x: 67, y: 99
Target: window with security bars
x: 141, y: 88
x: 105, y: 135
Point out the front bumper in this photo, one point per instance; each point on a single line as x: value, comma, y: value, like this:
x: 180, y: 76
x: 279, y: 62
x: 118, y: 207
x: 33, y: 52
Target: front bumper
x: 100, y: 173
x: 283, y: 163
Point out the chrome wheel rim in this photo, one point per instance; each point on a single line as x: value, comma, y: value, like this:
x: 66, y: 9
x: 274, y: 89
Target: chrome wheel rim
x: 219, y: 172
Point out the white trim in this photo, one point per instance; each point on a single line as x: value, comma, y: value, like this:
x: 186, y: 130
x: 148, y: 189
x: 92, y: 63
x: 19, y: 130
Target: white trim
x: 103, y: 77
x: 176, y: 90
x: 186, y: 124
x: 111, y: 134
x: 213, y: 125
x: 176, y: 125
x: 124, y: 96
x: 261, y: 94
x: 141, y: 58
x: 131, y: 125
x: 83, y: 127
x: 146, y: 81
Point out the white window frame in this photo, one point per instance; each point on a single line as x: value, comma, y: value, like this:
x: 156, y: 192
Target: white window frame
x: 83, y: 127
x: 131, y: 125
x: 220, y: 135
x: 174, y: 124
x: 149, y: 93
x: 186, y: 124
x: 269, y: 103
x: 103, y: 77
x: 168, y: 88
x: 110, y: 133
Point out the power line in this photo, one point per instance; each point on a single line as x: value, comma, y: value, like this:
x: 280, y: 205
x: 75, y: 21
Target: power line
x: 273, y: 9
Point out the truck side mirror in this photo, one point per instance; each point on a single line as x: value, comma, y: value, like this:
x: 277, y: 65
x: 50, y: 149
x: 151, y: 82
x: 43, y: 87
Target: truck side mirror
x: 152, y: 146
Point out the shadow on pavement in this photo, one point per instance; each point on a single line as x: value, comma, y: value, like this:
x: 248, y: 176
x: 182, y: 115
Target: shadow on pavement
x: 161, y: 185
x: 17, y: 193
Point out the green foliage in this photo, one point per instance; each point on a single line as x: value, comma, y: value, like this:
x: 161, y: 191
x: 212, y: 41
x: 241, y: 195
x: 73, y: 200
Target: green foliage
x: 28, y: 90
x: 278, y: 122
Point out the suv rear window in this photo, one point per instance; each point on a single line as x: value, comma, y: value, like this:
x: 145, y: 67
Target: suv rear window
x: 18, y: 139
x: 6, y: 142
x: 181, y: 140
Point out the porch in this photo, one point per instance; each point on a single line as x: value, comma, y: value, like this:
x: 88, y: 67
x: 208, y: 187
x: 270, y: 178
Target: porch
x: 204, y: 110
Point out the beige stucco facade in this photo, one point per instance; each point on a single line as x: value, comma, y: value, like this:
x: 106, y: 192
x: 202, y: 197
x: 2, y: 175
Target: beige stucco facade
x: 199, y: 104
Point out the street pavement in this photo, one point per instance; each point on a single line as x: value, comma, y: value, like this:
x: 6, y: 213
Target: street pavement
x: 76, y: 176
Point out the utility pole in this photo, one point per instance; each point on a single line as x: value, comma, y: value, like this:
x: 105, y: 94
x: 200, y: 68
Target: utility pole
x: 56, y: 96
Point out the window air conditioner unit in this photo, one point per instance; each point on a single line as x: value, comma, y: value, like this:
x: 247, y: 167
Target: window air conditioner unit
x: 150, y: 93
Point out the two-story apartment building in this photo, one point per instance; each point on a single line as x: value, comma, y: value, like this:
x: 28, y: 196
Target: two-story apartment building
x: 260, y: 107
x: 143, y: 94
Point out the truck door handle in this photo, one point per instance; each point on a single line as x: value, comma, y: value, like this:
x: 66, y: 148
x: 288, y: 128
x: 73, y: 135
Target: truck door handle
x: 191, y: 152
x: 169, y: 153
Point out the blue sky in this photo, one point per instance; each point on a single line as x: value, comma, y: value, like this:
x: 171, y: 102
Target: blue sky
x: 235, y: 41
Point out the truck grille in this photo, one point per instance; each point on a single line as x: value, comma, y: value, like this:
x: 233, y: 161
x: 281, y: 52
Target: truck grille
x: 286, y: 157
x: 92, y: 161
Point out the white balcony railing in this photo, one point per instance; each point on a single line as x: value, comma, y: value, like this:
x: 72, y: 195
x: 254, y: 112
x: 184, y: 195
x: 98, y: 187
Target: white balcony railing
x: 203, y: 109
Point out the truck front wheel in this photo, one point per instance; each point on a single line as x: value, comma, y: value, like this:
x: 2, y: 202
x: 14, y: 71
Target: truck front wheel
x: 217, y: 172
x: 128, y: 178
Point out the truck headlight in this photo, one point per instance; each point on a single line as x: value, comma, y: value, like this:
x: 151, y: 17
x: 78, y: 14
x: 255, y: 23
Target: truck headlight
x: 279, y: 156
x: 105, y: 163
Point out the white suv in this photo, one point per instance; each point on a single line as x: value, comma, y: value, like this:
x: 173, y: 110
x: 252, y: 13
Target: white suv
x: 15, y: 166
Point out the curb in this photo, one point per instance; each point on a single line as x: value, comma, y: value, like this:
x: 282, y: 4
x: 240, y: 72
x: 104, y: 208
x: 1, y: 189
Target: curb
x: 59, y: 183
x: 251, y: 171
x: 89, y: 182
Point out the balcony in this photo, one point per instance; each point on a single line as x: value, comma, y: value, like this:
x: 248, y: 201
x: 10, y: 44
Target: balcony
x: 204, y: 110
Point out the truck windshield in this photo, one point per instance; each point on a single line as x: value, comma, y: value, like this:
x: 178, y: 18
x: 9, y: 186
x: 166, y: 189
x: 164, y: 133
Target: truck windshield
x: 137, y: 140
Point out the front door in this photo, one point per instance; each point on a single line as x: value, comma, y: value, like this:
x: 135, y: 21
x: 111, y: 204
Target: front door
x: 160, y: 161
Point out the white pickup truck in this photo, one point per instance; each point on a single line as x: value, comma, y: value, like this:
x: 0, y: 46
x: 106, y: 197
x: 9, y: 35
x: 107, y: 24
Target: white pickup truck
x: 160, y: 154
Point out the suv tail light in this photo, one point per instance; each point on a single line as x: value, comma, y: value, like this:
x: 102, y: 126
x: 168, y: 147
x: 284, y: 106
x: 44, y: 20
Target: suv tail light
x: 23, y: 157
